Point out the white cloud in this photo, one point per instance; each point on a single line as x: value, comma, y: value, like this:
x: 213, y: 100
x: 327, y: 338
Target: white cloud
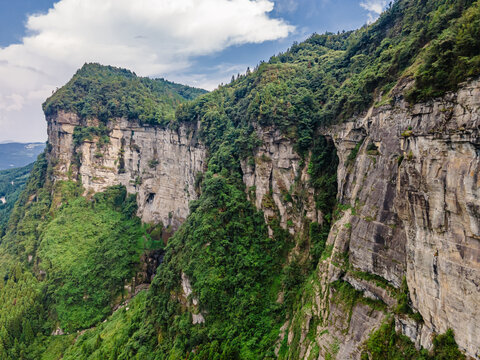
x: 151, y: 37
x: 212, y: 77
x: 374, y: 7
x: 11, y: 102
x: 288, y: 6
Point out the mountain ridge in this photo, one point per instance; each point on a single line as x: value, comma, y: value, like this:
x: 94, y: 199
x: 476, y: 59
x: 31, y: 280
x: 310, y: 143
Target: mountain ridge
x: 18, y: 154
x: 311, y: 209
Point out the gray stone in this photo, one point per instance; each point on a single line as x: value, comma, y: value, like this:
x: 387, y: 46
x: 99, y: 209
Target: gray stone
x: 160, y: 165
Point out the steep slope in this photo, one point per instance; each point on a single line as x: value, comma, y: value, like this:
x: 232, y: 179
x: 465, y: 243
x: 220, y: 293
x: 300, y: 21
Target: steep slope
x: 67, y: 260
x: 107, y: 127
x: 335, y: 206
x: 159, y: 164
x: 409, y: 209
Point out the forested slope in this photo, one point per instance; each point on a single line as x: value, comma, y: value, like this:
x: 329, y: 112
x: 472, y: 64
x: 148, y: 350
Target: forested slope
x: 241, y: 278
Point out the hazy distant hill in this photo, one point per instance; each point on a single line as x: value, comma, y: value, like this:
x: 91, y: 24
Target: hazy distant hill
x: 12, y: 182
x: 14, y: 155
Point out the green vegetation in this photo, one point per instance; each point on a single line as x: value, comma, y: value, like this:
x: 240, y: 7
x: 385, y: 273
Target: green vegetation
x: 238, y: 301
x: 378, y: 280
x: 329, y: 78
x: 323, y: 172
x: 403, y: 303
x: 353, y: 154
x: 386, y: 344
x: 65, y: 259
x: 445, y: 347
x: 349, y: 296
x: 82, y: 133
x: 89, y: 252
x: 454, y: 56
x: 29, y: 216
x: 325, y: 79
x: 22, y: 314
x: 223, y: 229
x: 106, y: 92
x: 64, y: 262
x: 103, y: 341
x: 12, y: 183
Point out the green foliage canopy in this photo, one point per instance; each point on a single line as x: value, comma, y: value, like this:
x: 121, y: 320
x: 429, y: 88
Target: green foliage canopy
x: 106, y: 92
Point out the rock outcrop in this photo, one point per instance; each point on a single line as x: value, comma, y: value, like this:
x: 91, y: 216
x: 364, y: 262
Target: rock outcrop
x: 415, y: 188
x: 273, y: 179
x: 159, y: 165
x: 411, y: 200
x: 409, y: 185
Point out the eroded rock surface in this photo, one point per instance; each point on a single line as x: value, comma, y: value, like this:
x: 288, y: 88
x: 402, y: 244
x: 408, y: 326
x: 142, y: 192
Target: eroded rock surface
x: 273, y: 178
x: 160, y: 165
x: 411, y: 199
x: 411, y: 209
x: 415, y: 190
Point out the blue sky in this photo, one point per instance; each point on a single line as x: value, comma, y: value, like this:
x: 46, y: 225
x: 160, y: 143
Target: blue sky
x: 197, y: 42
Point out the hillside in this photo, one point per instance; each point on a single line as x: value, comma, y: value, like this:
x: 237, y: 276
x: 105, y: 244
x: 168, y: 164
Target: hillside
x: 14, y: 155
x: 324, y: 205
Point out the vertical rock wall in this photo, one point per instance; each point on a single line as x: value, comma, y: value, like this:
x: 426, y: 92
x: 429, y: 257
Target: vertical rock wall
x: 160, y: 165
x: 411, y: 208
x: 414, y: 188
x: 278, y: 183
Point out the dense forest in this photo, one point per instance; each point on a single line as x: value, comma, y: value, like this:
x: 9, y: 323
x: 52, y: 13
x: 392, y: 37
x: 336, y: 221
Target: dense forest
x: 106, y: 92
x: 66, y: 259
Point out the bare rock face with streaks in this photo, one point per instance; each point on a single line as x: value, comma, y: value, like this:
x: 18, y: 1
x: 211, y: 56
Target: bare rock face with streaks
x: 273, y: 175
x: 408, y: 179
x: 414, y: 190
x: 159, y: 165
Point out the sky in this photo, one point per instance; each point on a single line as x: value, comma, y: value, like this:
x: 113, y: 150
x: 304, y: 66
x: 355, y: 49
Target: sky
x: 201, y: 43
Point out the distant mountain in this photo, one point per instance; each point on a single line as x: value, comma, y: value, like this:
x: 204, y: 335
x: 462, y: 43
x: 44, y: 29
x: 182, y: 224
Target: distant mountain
x: 12, y: 183
x: 13, y: 155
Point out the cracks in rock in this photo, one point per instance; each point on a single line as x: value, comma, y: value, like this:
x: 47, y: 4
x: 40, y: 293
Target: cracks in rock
x: 445, y: 206
x: 435, y: 274
x: 270, y: 180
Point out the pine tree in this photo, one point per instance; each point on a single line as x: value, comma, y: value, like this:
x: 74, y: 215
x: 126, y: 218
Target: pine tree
x: 27, y: 332
x: 3, y: 352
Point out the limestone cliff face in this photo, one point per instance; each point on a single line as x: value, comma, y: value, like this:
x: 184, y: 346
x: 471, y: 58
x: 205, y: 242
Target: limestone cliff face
x: 275, y: 172
x: 438, y: 200
x: 415, y: 187
x: 412, y: 209
x: 160, y: 165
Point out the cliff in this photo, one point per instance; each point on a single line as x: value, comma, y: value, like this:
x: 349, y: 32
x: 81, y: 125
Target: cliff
x: 326, y: 205
x: 410, y: 208
x: 159, y: 165
x: 411, y: 198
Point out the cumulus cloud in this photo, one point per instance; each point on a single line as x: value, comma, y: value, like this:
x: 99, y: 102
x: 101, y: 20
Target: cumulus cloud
x: 151, y: 37
x: 374, y: 8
